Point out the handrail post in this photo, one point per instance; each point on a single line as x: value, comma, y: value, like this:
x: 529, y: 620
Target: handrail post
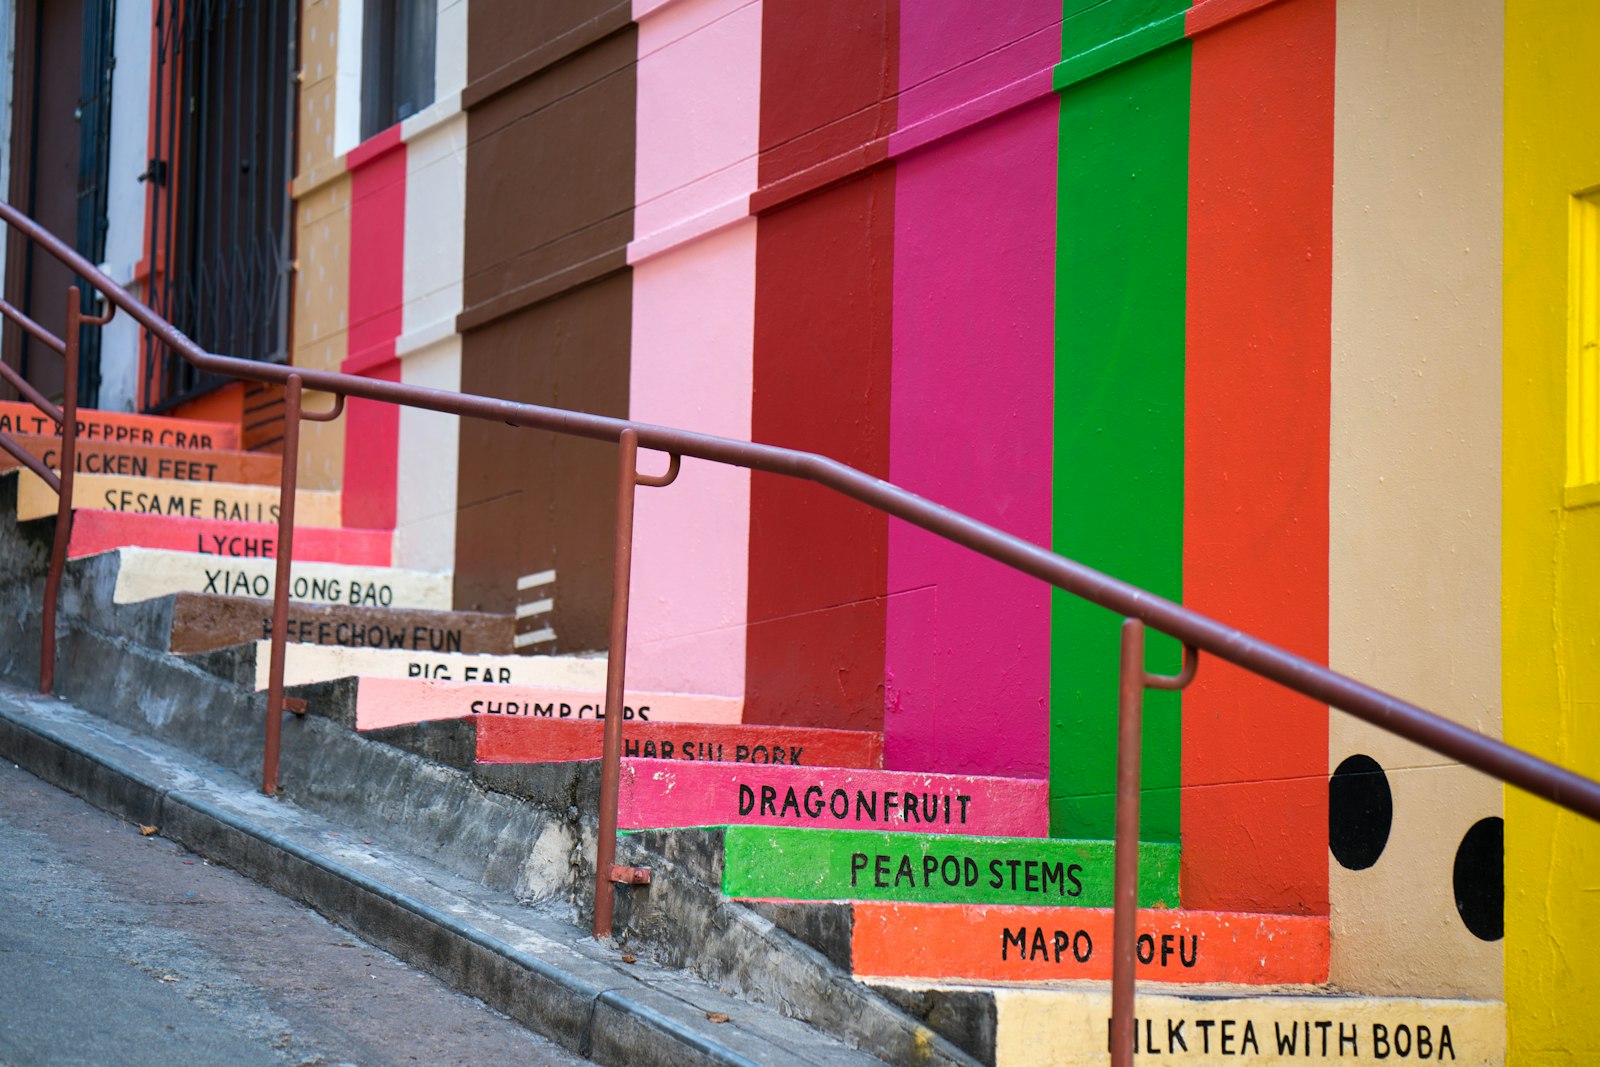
x: 69, y: 464
x: 288, y: 480
x: 1133, y: 680
x: 606, y: 870
x: 1125, y: 891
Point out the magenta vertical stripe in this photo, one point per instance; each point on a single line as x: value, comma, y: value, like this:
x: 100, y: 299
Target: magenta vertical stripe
x: 967, y: 652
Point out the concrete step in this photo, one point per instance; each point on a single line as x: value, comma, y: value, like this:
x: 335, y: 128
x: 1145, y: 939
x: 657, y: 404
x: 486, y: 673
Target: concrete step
x: 225, y: 501
x: 144, y: 573
x: 18, y: 416
x: 666, y: 793
x: 127, y: 459
x: 102, y: 531
x: 203, y: 623
x: 1070, y: 1027
x: 395, y: 691
x: 785, y: 863
x: 510, y: 738
x: 987, y: 943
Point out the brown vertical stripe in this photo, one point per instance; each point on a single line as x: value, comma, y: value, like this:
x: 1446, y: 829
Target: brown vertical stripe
x: 824, y: 273
x: 547, y: 302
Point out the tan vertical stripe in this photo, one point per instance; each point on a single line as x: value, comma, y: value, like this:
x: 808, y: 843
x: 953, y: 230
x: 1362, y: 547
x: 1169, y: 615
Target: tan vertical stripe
x: 1414, y: 560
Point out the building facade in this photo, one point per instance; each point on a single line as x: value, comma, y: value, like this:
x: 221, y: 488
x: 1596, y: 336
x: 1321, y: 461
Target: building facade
x: 1284, y: 309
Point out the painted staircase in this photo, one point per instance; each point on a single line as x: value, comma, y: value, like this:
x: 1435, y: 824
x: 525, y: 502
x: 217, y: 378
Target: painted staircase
x: 942, y: 892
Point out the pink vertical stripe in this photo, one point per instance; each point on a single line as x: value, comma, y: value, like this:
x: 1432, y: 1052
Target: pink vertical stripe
x: 967, y: 656
x: 693, y: 324
x: 377, y: 260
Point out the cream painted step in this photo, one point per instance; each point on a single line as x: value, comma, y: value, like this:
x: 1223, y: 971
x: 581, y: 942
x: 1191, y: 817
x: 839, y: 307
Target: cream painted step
x: 323, y: 663
x: 146, y: 573
x: 1068, y: 1026
x: 225, y: 501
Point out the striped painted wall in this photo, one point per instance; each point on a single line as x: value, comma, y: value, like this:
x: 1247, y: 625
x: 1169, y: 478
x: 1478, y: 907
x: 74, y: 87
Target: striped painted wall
x: 1205, y: 293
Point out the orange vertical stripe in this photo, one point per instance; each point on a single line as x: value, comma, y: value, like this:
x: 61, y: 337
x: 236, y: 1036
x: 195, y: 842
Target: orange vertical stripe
x: 1256, y: 510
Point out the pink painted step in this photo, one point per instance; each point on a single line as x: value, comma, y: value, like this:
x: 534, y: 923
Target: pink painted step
x: 18, y: 416
x: 103, y: 531
x: 567, y: 689
x: 665, y: 793
x: 514, y: 739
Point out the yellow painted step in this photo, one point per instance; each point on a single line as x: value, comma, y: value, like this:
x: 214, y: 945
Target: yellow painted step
x: 224, y: 501
x: 1067, y: 1026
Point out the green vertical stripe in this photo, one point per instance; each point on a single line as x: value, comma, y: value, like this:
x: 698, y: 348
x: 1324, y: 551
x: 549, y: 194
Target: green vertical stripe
x: 1118, y: 491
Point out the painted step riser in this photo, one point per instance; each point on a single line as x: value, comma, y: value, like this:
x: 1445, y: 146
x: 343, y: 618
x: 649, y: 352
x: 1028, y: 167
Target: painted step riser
x: 569, y: 691
x: 219, y: 501
x: 152, y: 461
x: 20, y: 417
x: 791, y: 864
x: 667, y: 793
x: 144, y: 574
x: 203, y: 623
x: 103, y: 531
x: 503, y: 739
x: 1054, y: 1028
x: 317, y: 663
x: 1022, y: 944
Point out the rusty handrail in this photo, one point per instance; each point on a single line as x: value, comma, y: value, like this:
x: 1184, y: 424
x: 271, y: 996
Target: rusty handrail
x: 66, y: 419
x: 1196, y: 631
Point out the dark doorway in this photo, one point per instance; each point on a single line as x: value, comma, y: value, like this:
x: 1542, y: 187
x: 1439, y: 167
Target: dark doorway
x: 222, y: 127
x: 45, y: 146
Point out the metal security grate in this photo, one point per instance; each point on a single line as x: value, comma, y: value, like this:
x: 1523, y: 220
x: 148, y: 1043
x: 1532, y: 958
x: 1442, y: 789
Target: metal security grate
x: 222, y: 127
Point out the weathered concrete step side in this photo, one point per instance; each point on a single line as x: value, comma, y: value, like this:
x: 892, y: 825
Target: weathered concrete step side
x: 202, y: 623
x: 17, y: 416
x: 1069, y: 1027
x: 407, y: 689
x: 783, y: 863
x: 544, y: 972
x: 96, y: 456
x: 144, y: 573
x: 102, y: 531
x: 982, y: 943
x: 159, y: 496
x: 661, y: 793
x: 512, y: 738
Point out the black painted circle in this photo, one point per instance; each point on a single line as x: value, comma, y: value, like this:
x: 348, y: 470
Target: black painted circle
x: 1480, y: 879
x: 1360, y: 812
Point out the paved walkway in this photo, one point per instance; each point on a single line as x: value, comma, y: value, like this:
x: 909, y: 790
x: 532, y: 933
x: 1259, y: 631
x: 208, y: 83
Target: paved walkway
x: 121, y: 948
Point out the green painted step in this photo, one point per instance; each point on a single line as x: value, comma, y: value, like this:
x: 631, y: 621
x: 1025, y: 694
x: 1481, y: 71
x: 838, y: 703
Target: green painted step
x: 783, y: 863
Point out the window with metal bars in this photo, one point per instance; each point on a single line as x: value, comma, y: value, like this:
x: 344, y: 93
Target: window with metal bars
x: 219, y: 212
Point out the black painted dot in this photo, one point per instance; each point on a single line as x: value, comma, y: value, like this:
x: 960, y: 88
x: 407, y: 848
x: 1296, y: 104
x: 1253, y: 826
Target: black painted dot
x: 1360, y: 812
x: 1480, y: 879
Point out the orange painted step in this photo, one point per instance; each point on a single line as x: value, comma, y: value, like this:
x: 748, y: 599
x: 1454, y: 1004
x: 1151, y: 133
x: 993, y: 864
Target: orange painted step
x: 1000, y: 943
x: 518, y: 739
x: 17, y: 416
x: 152, y: 461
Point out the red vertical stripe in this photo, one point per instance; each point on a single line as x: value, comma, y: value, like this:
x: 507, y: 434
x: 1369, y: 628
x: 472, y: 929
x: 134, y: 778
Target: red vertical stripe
x: 377, y: 260
x: 1256, y: 514
x: 824, y: 279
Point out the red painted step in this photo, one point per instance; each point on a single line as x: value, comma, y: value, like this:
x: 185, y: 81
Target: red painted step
x: 102, y: 531
x: 18, y: 416
x: 665, y: 793
x: 1020, y: 943
x: 505, y: 739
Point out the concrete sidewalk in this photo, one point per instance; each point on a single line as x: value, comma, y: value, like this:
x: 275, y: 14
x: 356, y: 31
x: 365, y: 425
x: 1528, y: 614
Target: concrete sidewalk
x: 535, y: 965
x: 121, y: 947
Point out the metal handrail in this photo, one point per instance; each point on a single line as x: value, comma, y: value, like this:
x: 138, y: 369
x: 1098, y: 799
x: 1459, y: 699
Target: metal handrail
x: 66, y: 418
x: 1197, y: 632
